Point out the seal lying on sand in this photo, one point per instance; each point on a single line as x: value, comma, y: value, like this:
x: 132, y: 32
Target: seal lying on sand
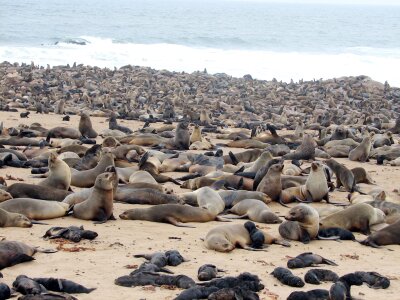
x: 174, y: 214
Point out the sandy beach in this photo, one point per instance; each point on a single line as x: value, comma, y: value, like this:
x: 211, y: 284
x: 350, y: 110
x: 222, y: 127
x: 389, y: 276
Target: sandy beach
x: 97, y: 263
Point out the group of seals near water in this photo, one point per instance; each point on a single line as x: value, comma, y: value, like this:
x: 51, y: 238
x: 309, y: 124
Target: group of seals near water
x: 88, y: 170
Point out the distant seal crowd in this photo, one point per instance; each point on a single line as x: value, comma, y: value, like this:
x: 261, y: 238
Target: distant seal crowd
x: 267, y: 151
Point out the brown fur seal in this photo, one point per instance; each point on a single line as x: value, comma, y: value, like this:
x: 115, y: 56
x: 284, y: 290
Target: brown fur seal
x: 305, y: 151
x: 196, y: 135
x: 13, y: 253
x: 59, y: 174
x: 26, y: 190
x: 315, y: 189
x: 86, y: 128
x: 87, y: 178
x: 9, y: 219
x: 386, y: 236
x: 256, y: 211
x: 225, y: 238
x: 271, y: 183
x: 245, y: 156
x: 361, y: 176
x: 182, y: 137
x: 302, y: 224
x: 174, y: 214
x: 5, y: 195
x: 62, y: 133
x: 99, y: 205
x: 209, y: 199
x: 357, y: 217
x: 361, y: 152
x: 36, y: 209
x: 344, y: 177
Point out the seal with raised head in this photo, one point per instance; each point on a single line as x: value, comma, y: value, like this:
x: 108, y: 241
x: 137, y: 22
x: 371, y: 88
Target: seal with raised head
x: 85, y: 127
x: 99, y: 206
x: 362, y: 151
x: 182, y: 137
x: 302, y: 224
x: 59, y: 174
x: 344, y: 177
x: 87, y: 178
x: 271, y: 184
x: 305, y: 151
x: 174, y: 214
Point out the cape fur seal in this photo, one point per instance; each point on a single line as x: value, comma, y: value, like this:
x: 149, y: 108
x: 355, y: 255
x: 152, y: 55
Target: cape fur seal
x: 315, y: 189
x: 256, y: 211
x: 36, y: 209
x: 9, y: 219
x: 87, y: 178
x: 85, y: 127
x: 386, y: 236
x: 361, y: 152
x: 99, y: 206
x: 59, y: 176
x: 225, y: 238
x: 13, y: 253
x: 305, y: 151
x: 302, y: 224
x: 357, y: 217
x: 175, y: 214
x: 344, y: 177
x: 271, y: 184
x: 26, y: 190
x: 182, y: 137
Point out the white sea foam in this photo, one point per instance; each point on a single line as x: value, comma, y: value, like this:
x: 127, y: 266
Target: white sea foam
x: 379, y: 64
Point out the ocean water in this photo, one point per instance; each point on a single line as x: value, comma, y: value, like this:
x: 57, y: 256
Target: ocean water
x: 237, y: 37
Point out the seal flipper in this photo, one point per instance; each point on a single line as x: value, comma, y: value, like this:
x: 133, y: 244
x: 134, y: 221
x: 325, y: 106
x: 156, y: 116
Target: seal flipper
x: 174, y: 222
x: 189, y: 176
x: 220, y: 219
x: 19, y: 258
x: 305, y: 237
x: 144, y: 159
x: 101, y: 217
x: 245, y: 216
x: 328, y: 262
x: 241, y: 169
x: 233, y: 158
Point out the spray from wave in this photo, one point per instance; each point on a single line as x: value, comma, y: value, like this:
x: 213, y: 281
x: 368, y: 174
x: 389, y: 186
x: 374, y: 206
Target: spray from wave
x: 379, y: 64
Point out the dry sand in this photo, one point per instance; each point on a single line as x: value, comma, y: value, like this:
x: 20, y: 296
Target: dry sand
x: 108, y: 256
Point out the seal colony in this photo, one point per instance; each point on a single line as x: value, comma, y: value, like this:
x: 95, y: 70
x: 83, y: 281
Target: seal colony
x: 138, y: 136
